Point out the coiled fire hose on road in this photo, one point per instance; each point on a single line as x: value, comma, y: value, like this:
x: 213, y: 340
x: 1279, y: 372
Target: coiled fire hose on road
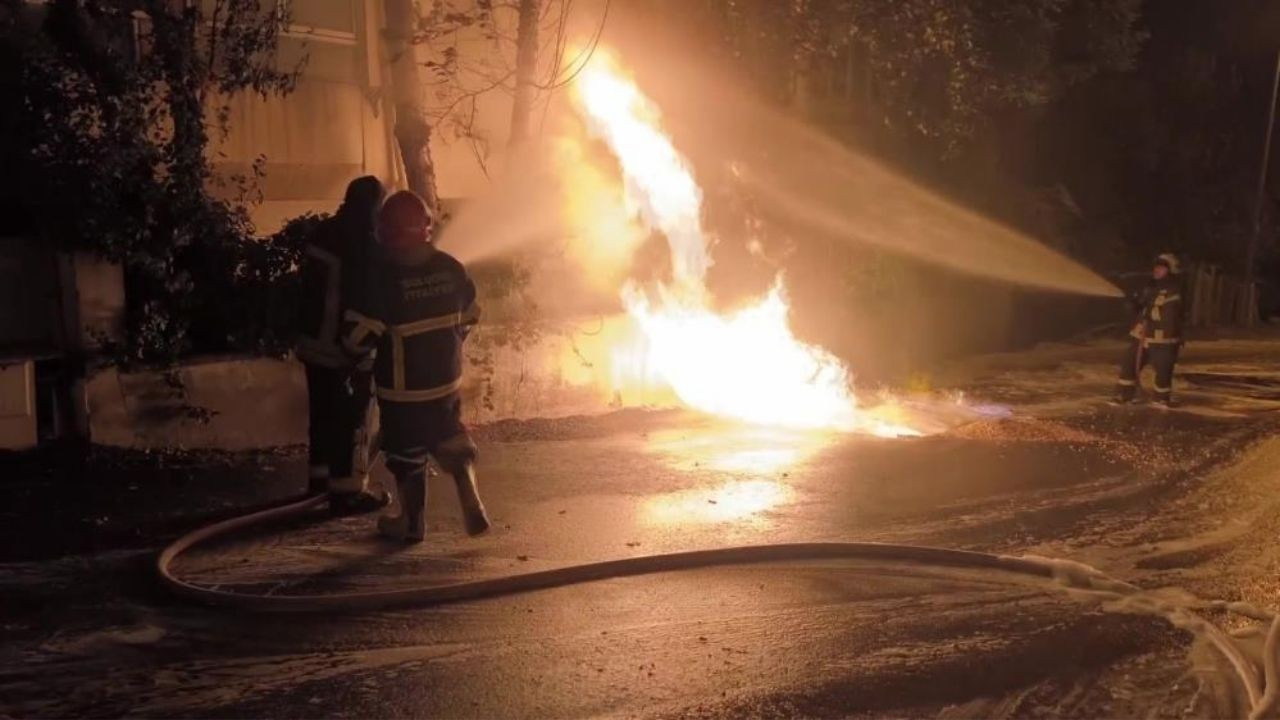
x: 1263, y: 704
x: 538, y: 580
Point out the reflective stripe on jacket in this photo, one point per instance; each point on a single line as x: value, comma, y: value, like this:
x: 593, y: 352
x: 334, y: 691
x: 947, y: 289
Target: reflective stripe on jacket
x: 332, y: 270
x: 416, y: 311
x: 320, y: 307
x: 1161, y: 315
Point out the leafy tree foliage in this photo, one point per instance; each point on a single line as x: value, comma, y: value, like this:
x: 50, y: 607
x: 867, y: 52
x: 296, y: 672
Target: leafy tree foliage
x: 938, y: 68
x: 1112, y: 128
x: 108, y: 107
x: 1170, y: 154
x: 474, y: 48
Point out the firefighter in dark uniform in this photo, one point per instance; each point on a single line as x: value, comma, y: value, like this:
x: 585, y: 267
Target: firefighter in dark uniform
x: 418, y: 306
x: 1156, y: 336
x: 338, y: 392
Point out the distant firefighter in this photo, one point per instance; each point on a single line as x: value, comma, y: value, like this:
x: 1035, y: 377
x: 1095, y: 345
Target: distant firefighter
x: 338, y: 391
x: 418, y: 307
x: 1156, y: 336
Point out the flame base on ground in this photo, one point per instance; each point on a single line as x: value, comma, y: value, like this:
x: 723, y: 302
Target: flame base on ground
x: 747, y: 364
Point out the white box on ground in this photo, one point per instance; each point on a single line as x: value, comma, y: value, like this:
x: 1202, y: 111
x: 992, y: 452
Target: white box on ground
x: 17, y: 404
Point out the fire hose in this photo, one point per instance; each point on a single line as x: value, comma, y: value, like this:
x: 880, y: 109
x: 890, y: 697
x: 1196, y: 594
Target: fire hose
x: 1090, y: 582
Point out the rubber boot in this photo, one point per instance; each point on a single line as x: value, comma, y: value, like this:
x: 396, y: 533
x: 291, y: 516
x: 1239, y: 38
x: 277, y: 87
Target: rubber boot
x: 352, y: 495
x: 474, y: 516
x: 1125, y: 391
x: 317, y: 479
x: 344, y: 504
x: 410, y: 525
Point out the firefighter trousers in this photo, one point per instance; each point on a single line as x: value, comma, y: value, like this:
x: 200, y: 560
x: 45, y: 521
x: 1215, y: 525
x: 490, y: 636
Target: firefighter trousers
x: 1162, y: 357
x: 338, y: 402
x: 413, y: 432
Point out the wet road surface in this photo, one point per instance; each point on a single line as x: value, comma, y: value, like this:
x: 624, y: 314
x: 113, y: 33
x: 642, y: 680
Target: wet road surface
x: 1159, y: 499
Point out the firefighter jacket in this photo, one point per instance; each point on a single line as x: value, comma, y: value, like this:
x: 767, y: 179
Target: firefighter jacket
x: 334, y: 263
x: 1160, y: 314
x: 417, y: 307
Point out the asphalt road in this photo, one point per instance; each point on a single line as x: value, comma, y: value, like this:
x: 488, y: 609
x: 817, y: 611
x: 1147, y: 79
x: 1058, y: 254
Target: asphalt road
x: 1159, y: 499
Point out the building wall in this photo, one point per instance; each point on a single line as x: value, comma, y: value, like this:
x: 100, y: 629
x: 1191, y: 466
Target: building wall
x: 468, y: 143
x: 338, y: 123
x: 17, y: 404
x: 331, y: 129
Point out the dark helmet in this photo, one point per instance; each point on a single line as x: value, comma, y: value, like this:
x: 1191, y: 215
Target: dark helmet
x: 1170, y: 261
x: 404, y: 220
x: 364, y: 195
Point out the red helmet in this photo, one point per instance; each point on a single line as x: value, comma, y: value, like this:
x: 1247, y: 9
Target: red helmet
x: 404, y: 220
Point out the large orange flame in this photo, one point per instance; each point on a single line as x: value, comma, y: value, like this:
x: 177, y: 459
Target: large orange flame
x: 746, y: 364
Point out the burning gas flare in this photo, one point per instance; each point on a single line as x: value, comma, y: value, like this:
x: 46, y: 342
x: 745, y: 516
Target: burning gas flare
x: 746, y: 364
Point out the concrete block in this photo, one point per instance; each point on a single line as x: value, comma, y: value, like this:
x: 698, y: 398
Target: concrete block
x: 18, y: 405
x: 243, y: 403
x: 100, y: 299
x: 227, y: 404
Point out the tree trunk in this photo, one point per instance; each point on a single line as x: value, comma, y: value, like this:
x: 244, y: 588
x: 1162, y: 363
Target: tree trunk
x: 526, y: 67
x: 413, y: 131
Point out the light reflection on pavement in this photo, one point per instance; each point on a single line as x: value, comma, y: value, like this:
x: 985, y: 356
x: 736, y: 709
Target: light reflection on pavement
x: 752, y: 460
x: 737, y: 501
x: 817, y: 639
x: 735, y: 448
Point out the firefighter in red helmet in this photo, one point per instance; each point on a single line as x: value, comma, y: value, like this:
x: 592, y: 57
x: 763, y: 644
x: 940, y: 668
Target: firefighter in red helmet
x: 419, y: 305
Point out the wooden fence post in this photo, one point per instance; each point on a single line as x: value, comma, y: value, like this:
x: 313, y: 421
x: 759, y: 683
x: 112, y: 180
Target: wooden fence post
x: 1195, y: 289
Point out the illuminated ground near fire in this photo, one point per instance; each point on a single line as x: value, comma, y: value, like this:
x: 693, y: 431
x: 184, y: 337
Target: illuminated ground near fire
x: 1061, y: 477
x: 669, y: 345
